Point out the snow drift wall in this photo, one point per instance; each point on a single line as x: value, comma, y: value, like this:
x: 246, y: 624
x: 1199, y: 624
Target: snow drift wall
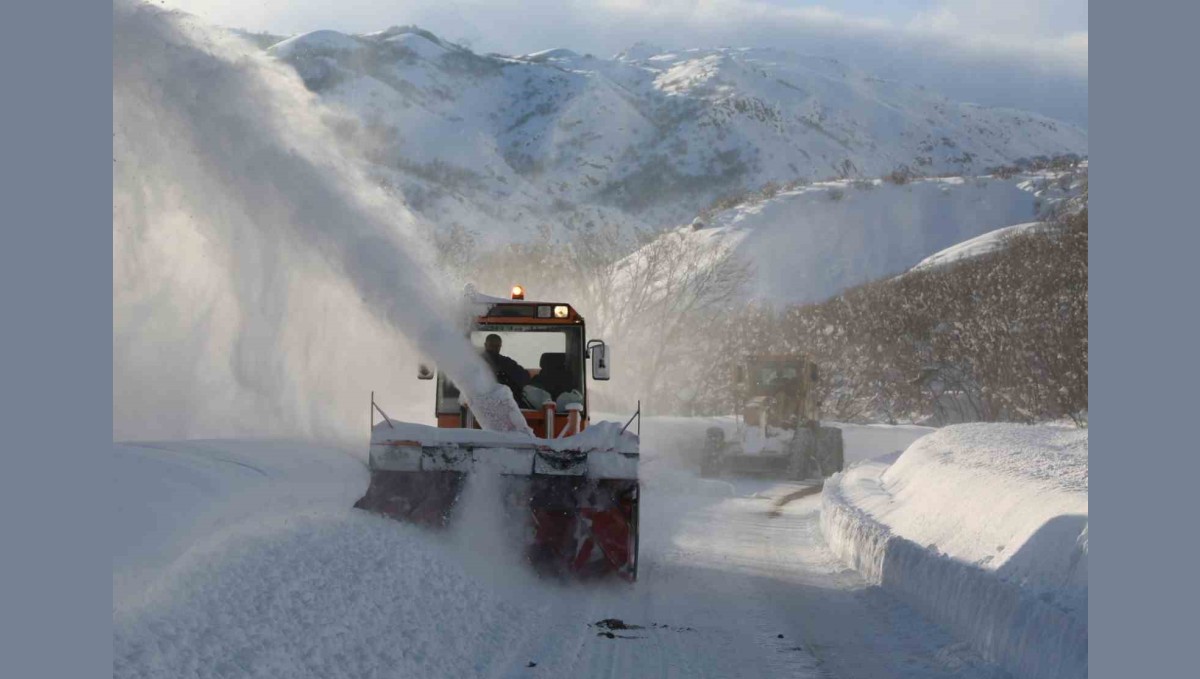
x: 984, y: 529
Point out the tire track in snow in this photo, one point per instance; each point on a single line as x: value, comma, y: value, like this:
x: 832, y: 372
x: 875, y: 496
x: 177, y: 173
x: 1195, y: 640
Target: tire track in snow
x: 180, y: 449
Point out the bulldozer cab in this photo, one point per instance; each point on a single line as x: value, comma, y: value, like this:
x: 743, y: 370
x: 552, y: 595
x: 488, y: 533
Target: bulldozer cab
x: 779, y: 430
x: 780, y: 386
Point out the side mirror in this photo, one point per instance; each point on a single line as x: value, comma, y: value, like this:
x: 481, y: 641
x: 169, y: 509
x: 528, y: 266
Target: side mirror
x: 600, y: 353
x: 424, y: 372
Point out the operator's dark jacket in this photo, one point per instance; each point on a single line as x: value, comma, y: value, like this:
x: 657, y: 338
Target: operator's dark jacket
x: 508, y: 372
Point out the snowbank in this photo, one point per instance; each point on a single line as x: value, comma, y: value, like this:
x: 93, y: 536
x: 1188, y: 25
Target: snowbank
x: 176, y: 499
x: 245, y: 558
x: 984, y: 529
x: 867, y: 441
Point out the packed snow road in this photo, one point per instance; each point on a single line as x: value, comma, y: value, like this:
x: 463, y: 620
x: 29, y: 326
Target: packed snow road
x: 244, y: 559
x: 728, y: 591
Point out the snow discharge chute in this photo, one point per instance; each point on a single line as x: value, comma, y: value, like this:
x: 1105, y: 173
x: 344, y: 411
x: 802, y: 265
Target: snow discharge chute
x: 235, y: 205
x: 246, y: 235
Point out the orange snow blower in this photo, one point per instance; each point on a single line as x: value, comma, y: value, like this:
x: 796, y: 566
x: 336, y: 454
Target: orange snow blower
x: 574, y: 482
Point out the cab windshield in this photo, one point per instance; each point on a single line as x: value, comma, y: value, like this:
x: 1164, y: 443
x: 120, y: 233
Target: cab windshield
x: 549, y: 357
x: 769, y: 376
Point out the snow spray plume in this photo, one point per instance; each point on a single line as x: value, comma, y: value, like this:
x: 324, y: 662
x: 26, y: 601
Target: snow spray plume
x: 262, y: 284
x: 490, y: 531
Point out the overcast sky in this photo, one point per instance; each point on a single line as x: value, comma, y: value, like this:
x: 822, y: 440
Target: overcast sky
x: 1030, y: 54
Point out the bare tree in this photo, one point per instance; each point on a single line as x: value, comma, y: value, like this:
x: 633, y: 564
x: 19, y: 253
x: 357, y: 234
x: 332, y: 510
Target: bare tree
x: 666, y: 297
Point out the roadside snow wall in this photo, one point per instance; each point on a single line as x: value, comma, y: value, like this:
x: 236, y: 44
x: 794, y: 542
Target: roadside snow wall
x: 983, y: 528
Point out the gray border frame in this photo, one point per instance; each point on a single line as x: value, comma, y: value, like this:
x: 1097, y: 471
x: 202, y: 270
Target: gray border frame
x: 1143, y: 621
x: 55, y: 597
x: 57, y: 344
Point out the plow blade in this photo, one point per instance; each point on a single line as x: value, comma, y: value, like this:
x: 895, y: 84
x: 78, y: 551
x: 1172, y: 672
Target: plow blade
x: 424, y: 498
x: 575, y: 499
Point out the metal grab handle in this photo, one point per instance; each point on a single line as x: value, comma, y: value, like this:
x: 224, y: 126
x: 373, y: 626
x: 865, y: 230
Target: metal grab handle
x: 376, y: 407
x: 638, y: 415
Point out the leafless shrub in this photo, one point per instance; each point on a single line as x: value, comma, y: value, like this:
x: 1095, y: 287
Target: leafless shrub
x: 999, y: 337
x: 663, y: 304
x: 1004, y: 171
x: 901, y: 175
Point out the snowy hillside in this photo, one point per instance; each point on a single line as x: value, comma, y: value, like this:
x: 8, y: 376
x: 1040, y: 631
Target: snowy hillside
x: 810, y: 243
x: 1065, y: 191
x: 505, y: 144
x: 974, y: 247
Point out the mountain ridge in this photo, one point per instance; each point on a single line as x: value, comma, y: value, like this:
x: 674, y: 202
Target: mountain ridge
x: 514, y: 147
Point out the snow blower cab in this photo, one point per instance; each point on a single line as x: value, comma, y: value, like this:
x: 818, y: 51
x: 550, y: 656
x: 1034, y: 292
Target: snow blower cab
x: 571, y: 487
x: 778, y: 431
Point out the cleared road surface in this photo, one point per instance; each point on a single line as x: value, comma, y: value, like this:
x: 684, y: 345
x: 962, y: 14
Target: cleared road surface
x: 240, y: 558
x: 727, y: 590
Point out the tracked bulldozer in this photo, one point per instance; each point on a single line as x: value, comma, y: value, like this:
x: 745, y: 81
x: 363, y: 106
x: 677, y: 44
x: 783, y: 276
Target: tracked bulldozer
x: 778, y: 431
x: 569, y: 485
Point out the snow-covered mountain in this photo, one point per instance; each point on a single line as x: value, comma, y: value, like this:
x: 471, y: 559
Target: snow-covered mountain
x: 505, y: 145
